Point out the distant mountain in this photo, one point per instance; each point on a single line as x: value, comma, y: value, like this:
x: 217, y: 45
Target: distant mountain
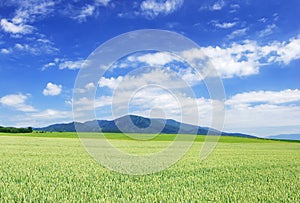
x: 137, y: 124
x: 285, y: 137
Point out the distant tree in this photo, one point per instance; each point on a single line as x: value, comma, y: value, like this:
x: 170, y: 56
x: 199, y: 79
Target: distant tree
x: 15, y: 130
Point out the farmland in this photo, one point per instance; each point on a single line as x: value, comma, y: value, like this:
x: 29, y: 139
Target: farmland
x: 54, y: 167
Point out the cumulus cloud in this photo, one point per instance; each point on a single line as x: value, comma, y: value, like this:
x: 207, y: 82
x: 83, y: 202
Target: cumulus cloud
x: 154, y: 59
x: 111, y: 83
x: 217, y: 5
x: 153, y: 8
x: 5, y: 51
x: 286, y: 51
x: 246, y: 58
x: 52, y: 89
x: 15, y: 28
x: 17, y: 101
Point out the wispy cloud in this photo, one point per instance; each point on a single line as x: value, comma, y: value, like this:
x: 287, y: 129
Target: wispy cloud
x: 267, y: 31
x: 225, y: 25
x: 27, y: 12
x: 234, y: 8
x: 63, y: 63
x: 36, y: 47
x: 85, y: 12
x: 102, y: 2
x: 17, y: 102
x: 30, y: 11
x: 87, y: 88
x: 237, y: 33
x: 52, y: 114
x: 269, y: 97
x: 217, y: 5
x: 263, y: 109
x: 81, y: 13
x: 72, y: 64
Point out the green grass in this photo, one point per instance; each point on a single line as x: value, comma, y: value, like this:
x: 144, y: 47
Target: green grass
x: 44, y: 168
x: 120, y: 136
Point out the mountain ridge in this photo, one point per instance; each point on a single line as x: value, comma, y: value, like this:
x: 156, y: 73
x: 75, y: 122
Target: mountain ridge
x: 137, y: 124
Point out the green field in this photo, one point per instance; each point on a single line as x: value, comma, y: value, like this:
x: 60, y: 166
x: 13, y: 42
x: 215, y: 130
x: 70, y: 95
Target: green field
x: 54, y: 167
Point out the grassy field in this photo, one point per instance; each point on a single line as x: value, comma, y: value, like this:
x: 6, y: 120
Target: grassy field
x: 54, y: 167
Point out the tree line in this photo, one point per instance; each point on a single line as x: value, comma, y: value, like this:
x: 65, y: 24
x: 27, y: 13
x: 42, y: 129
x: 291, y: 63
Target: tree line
x: 15, y: 130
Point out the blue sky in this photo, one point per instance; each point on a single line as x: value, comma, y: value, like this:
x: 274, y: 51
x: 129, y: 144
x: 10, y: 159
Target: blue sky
x: 254, y: 46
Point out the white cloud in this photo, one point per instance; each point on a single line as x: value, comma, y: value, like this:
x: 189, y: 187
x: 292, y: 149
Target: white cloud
x: 249, y: 112
x: 90, y: 86
x: 153, y: 8
x: 19, y: 46
x: 48, y: 65
x: 40, y: 46
x: 17, y: 101
x: 287, y: 51
x: 62, y: 63
x: 103, y: 2
x: 218, y: 5
x: 111, y: 83
x: 72, y: 64
x: 26, y: 48
x: 237, y: 33
x: 15, y: 28
x: 270, y: 97
x: 246, y: 58
x: 52, y: 114
x: 267, y: 31
x: 262, y: 20
x: 156, y: 88
x: 154, y: 59
x: 87, y: 88
x: 83, y: 104
x: 225, y: 25
x: 85, y: 12
x: 29, y: 11
x: 234, y: 8
x: 52, y: 89
x: 173, y: 80
x: 5, y: 51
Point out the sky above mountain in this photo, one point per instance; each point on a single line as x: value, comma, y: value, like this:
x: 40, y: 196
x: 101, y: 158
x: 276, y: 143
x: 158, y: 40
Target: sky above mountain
x: 254, y: 46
